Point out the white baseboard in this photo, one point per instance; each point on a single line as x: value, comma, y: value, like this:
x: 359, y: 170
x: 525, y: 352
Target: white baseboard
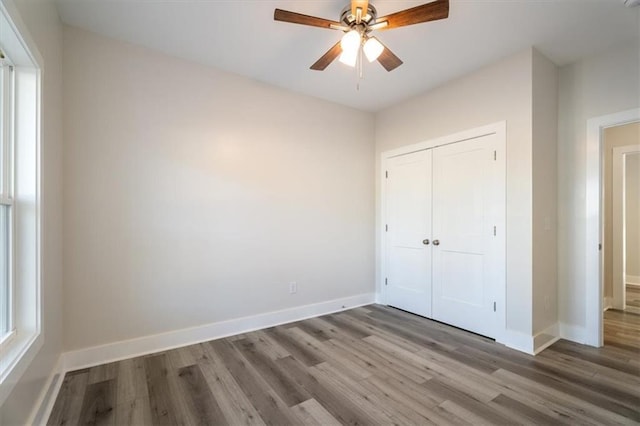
x: 47, y: 399
x: 118, y: 351
x: 529, y: 344
x: 379, y: 300
x: 89, y: 357
x: 632, y: 309
x: 575, y: 333
x: 546, y: 338
x: 516, y: 340
x: 608, y: 303
x: 632, y: 280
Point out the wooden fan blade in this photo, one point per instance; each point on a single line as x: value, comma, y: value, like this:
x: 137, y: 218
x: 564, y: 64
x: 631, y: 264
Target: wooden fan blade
x: 389, y: 60
x: 327, y: 58
x: 362, y: 4
x: 299, y: 18
x: 433, y: 11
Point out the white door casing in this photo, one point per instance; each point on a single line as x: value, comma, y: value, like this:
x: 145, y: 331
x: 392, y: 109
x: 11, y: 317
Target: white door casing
x: 593, y: 259
x: 466, y: 253
x: 408, y: 224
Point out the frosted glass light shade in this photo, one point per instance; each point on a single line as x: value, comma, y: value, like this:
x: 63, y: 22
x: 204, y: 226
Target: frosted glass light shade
x: 350, y: 42
x: 373, y: 48
x: 349, y: 58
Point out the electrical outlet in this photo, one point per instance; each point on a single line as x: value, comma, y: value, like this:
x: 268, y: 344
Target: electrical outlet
x: 293, y: 287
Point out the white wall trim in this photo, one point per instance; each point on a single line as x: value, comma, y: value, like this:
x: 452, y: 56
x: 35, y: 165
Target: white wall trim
x: 633, y: 280
x: 97, y: 355
x: 517, y: 340
x: 572, y: 332
x: 532, y: 345
x: 117, y: 351
x: 477, y: 132
x: 593, y: 213
x: 48, y: 394
x: 28, y: 63
x: 608, y: 304
x: 546, y: 338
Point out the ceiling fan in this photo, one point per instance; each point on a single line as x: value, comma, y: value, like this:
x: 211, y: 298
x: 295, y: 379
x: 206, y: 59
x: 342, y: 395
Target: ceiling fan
x: 357, y: 21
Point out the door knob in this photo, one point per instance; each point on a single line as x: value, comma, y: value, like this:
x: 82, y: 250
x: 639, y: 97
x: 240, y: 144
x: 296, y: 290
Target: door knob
x: 425, y: 242
x: 436, y: 242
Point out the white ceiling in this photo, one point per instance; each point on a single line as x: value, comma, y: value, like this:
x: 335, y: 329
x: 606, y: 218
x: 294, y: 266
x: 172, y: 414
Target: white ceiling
x: 241, y: 36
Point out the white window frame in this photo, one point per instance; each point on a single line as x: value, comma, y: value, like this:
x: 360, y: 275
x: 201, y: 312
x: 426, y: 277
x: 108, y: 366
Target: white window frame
x: 6, y: 184
x: 18, y: 352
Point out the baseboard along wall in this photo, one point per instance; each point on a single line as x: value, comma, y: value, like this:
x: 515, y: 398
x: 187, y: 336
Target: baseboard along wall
x: 633, y: 280
x: 117, y: 351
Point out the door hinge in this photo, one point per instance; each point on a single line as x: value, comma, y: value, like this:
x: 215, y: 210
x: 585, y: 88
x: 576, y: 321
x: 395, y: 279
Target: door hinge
x: 386, y: 174
x: 495, y: 155
x: 494, y: 306
x: 494, y: 231
x: 599, y: 247
x: 386, y: 228
x: 386, y: 281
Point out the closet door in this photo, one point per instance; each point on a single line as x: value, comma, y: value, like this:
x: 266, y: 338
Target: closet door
x: 408, y: 223
x: 466, y: 254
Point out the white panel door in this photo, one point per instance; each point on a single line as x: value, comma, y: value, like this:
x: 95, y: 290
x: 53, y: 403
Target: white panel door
x: 408, y: 221
x: 466, y: 255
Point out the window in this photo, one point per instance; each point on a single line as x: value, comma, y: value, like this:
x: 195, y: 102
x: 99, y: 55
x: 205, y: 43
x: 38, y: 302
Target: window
x: 6, y: 201
x: 20, y: 309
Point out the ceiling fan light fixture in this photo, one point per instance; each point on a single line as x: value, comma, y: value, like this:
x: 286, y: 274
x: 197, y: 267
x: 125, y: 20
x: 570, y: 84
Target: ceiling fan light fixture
x: 349, y: 58
x: 373, y: 48
x: 350, y: 42
x: 357, y: 20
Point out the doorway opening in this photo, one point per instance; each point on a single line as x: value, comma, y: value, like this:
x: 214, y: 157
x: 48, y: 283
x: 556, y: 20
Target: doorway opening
x: 599, y: 214
x: 621, y: 191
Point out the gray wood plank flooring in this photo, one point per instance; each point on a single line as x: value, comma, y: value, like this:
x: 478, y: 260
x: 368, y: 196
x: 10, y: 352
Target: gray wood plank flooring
x: 633, y: 298
x: 365, y: 366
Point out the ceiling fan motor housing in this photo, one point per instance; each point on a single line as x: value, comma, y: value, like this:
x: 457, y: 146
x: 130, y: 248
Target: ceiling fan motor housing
x: 367, y: 19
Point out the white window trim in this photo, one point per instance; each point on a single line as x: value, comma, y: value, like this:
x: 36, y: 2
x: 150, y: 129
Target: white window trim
x: 7, y: 200
x: 28, y: 71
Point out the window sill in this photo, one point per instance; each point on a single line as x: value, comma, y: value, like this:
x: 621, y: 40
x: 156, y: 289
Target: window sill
x: 5, y: 344
x: 15, y: 360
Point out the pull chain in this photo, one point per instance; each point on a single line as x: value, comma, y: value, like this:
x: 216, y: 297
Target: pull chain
x: 360, y: 67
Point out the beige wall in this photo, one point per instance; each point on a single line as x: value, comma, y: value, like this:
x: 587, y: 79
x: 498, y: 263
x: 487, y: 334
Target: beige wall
x: 596, y: 86
x: 194, y: 196
x: 502, y: 91
x: 632, y: 200
x: 614, y: 137
x: 545, y: 184
x: 45, y: 29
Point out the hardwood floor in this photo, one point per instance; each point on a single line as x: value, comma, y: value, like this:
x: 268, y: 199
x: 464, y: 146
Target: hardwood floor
x: 622, y: 330
x: 366, y: 366
x: 632, y: 298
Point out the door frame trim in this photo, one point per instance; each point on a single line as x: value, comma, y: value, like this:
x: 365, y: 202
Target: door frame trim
x: 500, y: 130
x: 593, y: 232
